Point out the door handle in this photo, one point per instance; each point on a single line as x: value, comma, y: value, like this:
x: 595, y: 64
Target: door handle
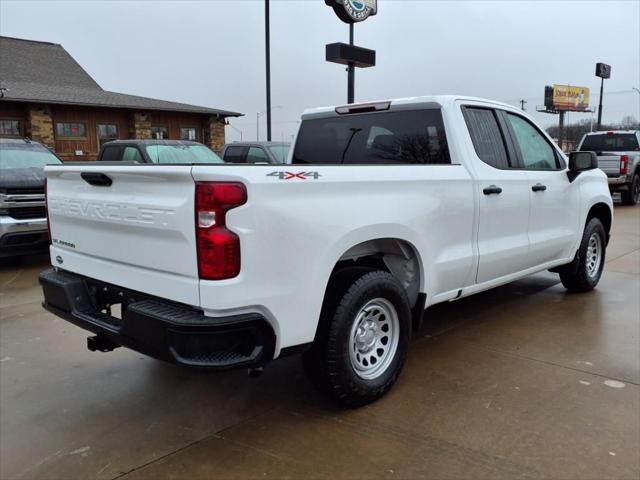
x: 96, y: 179
x: 492, y: 190
x: 538, y: 187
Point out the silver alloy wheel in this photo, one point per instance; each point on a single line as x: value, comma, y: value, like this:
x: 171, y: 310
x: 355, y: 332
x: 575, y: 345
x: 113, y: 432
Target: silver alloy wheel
x: 594, y: 255
x: 374, y: 338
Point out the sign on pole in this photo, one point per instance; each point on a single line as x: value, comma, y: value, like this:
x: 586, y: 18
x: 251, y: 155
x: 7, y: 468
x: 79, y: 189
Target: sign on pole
x: 353, y: 11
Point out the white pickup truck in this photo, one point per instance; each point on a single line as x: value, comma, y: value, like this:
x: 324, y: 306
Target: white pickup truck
x: 384, y: 209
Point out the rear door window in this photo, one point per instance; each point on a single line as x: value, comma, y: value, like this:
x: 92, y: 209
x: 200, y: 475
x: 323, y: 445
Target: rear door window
x: 235, y: 154
x: 414, y: 137
x: 486, y: 136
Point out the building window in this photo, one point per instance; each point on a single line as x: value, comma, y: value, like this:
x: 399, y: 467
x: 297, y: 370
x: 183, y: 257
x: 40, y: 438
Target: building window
x: 159, y: 132
x: 71, y: 130
x: 107, y: 132
x: 10, y: 128
x: 188, y: 133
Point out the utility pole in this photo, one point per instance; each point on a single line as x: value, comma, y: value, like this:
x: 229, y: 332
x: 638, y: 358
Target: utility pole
x: 351, y: 81
x: 600, y: 105
x: 522, y: 104
x: 561, y: 129
x: 268, y: 66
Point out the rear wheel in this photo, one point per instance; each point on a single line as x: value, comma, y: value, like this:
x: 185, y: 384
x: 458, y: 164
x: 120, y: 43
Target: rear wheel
x: 584, y: 273
x: 363, y: 338
x: 632, y: 196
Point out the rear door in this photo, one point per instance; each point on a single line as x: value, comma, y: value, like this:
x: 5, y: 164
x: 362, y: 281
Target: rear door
x: 553, y: 224
x: 132, y: 226
x: 503, y: 196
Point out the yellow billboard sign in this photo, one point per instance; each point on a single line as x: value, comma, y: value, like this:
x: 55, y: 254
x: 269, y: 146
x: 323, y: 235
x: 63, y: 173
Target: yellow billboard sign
x: 567, y: 97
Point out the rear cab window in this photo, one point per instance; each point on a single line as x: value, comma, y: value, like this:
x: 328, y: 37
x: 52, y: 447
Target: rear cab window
x: 403, y: 137
x: 235, y: 154
x: 610, y: 142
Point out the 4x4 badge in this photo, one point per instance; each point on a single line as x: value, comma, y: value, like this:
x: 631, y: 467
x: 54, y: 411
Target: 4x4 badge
x: 294, y: 175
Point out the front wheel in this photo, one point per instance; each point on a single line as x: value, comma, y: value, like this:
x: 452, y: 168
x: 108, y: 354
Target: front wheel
x: 363, y: 338
x: 584, y: 273
x: 632, y: 196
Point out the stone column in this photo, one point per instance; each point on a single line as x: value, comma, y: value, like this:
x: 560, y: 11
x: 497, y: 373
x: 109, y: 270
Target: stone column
x: 214, y: 133
x: 40, y: 125
x: 141, y: 126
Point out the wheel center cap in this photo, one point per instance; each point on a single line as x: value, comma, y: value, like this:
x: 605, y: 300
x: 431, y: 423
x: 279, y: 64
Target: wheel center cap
x: 366, y: 337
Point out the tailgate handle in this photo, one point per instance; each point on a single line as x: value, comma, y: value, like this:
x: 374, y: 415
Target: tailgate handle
x: 96, y: 179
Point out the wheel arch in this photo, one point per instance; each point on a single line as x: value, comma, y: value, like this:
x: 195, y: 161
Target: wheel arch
x: 603, y: 212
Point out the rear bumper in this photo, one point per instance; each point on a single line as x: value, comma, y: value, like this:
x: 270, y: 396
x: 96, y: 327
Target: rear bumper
x: 154, y: 327
x: 22, y: 237
x: 619, y: 183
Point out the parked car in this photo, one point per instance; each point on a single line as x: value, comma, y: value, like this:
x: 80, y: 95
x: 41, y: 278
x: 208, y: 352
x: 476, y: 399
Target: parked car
x: 23, y: 219
x: 256, y: 152
x: 388, y: 208
x: 619, y: 157
x: 157, y: 151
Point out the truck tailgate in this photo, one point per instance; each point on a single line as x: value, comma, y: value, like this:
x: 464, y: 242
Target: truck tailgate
x: 136, y: 232
x: 609, y: 163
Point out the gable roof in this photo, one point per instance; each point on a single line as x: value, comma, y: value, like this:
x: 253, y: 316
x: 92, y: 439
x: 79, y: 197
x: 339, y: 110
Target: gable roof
x: 44, y: 72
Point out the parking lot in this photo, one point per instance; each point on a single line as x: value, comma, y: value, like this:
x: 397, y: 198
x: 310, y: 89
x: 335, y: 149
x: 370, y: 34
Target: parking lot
x: 522, y: 381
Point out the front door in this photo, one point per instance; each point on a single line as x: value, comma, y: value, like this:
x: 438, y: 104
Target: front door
x: 553, y: 224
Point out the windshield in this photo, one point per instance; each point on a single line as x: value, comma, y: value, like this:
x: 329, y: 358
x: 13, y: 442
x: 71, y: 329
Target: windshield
x: 610, y: 142
x: 280, y: 152
x: 25, y: 155
x: 182, y: 154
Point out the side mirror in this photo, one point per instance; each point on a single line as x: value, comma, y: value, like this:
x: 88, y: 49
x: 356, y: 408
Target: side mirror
x: 581, y: 161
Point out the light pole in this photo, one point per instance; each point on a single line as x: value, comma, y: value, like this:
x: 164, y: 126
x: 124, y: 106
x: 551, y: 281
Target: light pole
x: 258, y: 115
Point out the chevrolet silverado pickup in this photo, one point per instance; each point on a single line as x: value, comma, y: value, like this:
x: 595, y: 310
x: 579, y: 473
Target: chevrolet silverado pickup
x: 619, y: 158
x: 23, y: 221
x: 382, y: 210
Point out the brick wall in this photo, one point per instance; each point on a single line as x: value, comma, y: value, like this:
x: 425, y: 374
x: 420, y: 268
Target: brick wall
x: 141, y: 126
x: 40, y: 125
x: 214, y: 133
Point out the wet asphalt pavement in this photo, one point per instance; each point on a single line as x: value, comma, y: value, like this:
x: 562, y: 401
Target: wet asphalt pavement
x: 524, y: 381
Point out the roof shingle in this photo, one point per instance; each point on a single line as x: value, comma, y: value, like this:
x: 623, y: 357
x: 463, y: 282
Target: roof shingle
x: 44, y: 72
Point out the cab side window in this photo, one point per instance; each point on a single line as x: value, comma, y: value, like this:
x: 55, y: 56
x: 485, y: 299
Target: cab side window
x: 257, y: 155
x: 537, y: 153
x: 131, y: 154
x: 111, y: 153
x: 235, y: 155
x: 486, y: 136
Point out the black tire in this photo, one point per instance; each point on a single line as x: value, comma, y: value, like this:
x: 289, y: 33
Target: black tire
x: 632, y: 196
x: 582, y: 275
x: 328, y: 363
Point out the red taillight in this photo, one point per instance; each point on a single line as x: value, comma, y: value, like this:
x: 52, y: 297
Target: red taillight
x: 46, y: 209
x: 218, y: 247
x: 624, y: 164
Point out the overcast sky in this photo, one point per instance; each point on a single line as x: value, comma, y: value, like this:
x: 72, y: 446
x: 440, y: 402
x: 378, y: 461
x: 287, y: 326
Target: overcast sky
x: 211, y: 52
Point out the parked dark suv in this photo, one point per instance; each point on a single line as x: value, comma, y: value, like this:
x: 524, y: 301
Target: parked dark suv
x: 157, y: 151
x: 23, y: 218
